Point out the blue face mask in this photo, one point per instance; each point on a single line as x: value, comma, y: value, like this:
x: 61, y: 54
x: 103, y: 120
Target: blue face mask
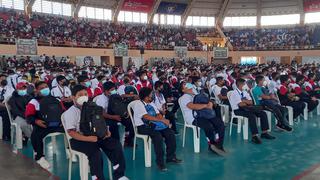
x: 22, y: 92
x: 113, y: 92
x: 45, y: 92
x: 189, y: 86
x: 88, y: 84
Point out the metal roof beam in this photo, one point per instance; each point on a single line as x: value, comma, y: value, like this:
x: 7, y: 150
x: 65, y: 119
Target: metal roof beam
x: 223, y: 11
x: 154, y: 11
x: 187, y: 12
x: 76, y: 8
x: 28, y: 6
x: 117, y: 10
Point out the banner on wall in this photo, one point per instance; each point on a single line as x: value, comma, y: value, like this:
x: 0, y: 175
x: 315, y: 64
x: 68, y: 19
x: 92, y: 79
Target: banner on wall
x: 220, y: 52
x: 136, y: 60
x: 120, y: 50
x: 88, y: 60
x: 311, y: 5
x: 27, y: 47
x: 181, y: 51
x: 144, y: 6
x: 171, y: 8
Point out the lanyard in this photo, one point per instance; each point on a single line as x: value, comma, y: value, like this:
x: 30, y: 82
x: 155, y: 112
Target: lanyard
x: 62, y: 91
x: 240, y: 93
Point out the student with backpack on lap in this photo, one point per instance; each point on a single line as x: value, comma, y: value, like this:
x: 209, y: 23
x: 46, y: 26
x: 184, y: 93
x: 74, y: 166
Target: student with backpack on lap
x: 201, y: 114
x: 90, y: 143
x: 44, y: 113
x: 150, y: 122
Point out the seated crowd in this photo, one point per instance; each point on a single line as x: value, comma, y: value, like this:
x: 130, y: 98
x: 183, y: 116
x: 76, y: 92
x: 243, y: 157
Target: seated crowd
x: 250, y: 91
x: 66, y: 31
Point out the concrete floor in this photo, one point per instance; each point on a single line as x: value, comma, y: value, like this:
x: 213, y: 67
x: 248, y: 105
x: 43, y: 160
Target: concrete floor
x: 18, y: 167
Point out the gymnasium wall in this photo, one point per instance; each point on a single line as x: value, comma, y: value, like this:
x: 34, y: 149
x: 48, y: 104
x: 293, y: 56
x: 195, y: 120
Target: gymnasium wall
x: 235, y: 56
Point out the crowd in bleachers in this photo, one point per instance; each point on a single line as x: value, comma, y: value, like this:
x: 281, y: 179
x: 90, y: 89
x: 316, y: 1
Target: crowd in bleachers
x: 66, y: 31
x: 206, y: 94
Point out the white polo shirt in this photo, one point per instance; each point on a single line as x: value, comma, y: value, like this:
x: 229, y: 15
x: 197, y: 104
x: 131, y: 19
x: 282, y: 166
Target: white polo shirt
x: 8, y: 90
x: 236, y: 98
x: 103, y: 101
x: 121, y: 90
x: 139, y: 111
x: 72, y: 118
x: 159, y: 101
x: 184, y: 100
x: 61, y: 92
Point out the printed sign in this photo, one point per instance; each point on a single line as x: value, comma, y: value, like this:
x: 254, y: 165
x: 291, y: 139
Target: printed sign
x: 171, y: 8
x: 138, y: 5
x: 27, y: 47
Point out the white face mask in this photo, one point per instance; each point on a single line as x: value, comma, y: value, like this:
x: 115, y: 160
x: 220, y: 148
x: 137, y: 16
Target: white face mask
x: 245, y: 88
x: 145, y: 77
x: 199, y: 84
x: 265, y: 83
x: 82, y: 99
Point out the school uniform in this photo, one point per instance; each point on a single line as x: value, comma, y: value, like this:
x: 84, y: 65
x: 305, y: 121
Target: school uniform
x: 5, y: 94
x: 157, y: 136
x: 110, y: 146
x: 236, y: 97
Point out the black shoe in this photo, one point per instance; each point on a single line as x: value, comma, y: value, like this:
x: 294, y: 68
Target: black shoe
x: 6, y: 138
x: 256, y: 140
x: 162, y: 167
x: 284, y: 127
x: 174, y: 160
x: 267, y: 136
x: 176, y: 133
x: 216, y: 149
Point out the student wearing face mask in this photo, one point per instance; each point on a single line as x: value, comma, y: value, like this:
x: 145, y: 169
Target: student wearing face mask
x: 213, y: 128
x: 270, y: 103
x: 143, y: 81
x: 5, y: 93
x: 127, y: 90
x: 150, y: 122
x: 18, y: 103
x: 41, y: 128
x: 197, y: 85
x: 113, y: 119
x: 85, y: 81
x: 62, y: 90
x: 242, y: 105
x: 91, y: 145
x: 14, y: 77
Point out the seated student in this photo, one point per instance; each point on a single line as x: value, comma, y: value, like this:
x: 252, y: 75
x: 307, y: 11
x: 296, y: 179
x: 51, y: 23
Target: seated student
x: 113, y: 119
x: 40, y: 127
x: 145, y: 122
x: 220, y: 91
x: 270, y: 102
x: 85, y: 81
x: 62, y: 91
x: 287, y: 98
x: 210, y: 126
x: 311, y: 87
x: 143, y: 80
x: 242, y: 105
x: 304, y: 95
x: 127, y: 89
x: 18, y: 103
x: 160, y: 103
x: 91, y: 145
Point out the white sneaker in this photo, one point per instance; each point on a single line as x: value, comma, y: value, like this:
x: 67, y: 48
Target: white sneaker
x: 43, y: 163
x: 123, y: 178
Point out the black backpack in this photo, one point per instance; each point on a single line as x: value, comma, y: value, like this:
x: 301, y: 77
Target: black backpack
x: 203, y: 113
x: 118, y: 106
x: 92, y: 123
x: 51, y: 110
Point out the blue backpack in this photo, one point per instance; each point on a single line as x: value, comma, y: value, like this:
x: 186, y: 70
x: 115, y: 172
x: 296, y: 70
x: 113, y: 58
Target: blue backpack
x: 203, y: 113
x: 156, y: 124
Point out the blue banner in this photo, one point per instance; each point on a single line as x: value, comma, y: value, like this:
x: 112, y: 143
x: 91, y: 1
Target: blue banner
x: 171, y: 8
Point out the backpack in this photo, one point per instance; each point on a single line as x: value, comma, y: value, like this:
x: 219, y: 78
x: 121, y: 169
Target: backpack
x: 153, y: 124
x: 92, y: 122
x: 203, y: 113
x: 118, y: 106
x: 130, y: 89
x: 51, y: 110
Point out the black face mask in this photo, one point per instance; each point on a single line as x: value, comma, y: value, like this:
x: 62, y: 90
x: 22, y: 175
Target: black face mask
x: 65, y: 83
x: 4, y: 82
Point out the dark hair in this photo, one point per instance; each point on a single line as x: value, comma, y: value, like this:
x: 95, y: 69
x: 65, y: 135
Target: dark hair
x: 108, y: 85
x: 82, y: 78
x: 299, y: 78
x: 240, y: 81
x: 77, y: 88
x: 218, y: 79
x: 274, y: 76
x: 99, y: 78
x: 311, y: 75
x: 144, y: 92
x: 284, y: 78
x: 259, y: 78
x: 158, y: 84
x: 195, y: 79
x: 60, y: 78
x: 39, y: 84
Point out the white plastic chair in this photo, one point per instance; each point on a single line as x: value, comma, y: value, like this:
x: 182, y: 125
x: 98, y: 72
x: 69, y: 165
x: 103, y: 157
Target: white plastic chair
x: 269, y: 113
x: 224, y: 108
x: 83, y: 159
x: 290, y: 111
x: 318, y: 108
x: 146, y: 139
x: 195, y: 129
x: 240, y: 119
x: 1, y: 128
x: 14, y: 128
x: 305, y: 112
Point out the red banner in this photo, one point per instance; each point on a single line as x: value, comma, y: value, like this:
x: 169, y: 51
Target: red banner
x: 311, y: 5
x: 138, y: 5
